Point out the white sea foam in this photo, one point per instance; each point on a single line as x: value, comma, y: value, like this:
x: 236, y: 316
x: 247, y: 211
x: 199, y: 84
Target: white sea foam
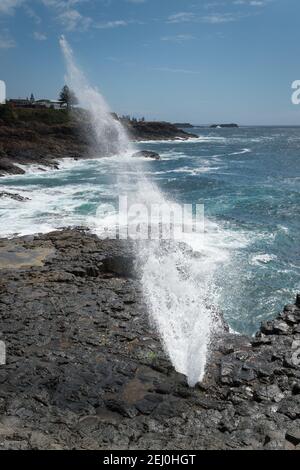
x: 212, y: 138
x: 177, y: 140
x: 241, y: 152
x: 196, y: 171
x: 33, y: 168
x: 172, y: 155
x: 262, y: 258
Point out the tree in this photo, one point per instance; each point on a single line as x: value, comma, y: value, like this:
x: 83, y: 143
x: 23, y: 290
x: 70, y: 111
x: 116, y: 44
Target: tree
x: 32, y: 98
x: 68, y: 97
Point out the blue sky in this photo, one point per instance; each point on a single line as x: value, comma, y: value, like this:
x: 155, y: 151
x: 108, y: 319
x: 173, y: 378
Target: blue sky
x: 180, y: 60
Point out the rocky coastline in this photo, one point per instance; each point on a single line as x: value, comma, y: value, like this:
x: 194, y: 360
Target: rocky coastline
x: 156, y: 130
x: 85, y: 368
x: 44, y: 137
x: 224, y: 126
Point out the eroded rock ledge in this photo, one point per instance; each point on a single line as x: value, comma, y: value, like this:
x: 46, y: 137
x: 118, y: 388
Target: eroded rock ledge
x: 85, y: 370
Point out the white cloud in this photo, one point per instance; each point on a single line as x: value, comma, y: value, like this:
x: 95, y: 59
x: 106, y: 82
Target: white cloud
x: 115, y: 24
x: 39, y: 36
x: 214, y: 18
x: 252, y: 3
x: 63, y: 4
x: 72, y: 20
x: 8, y: 6
x: 219, y: 18
x: 32, y: 14
x: 7, y: 43
x: 111, y: 24
x: 66, y: 13
x: 174, y: 70
x: 181, y: 17
x: 214, y: 4
x: 178, y: 38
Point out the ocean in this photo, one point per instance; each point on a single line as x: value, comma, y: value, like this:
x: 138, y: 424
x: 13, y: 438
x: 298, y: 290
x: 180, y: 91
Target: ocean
x: 248, y: 180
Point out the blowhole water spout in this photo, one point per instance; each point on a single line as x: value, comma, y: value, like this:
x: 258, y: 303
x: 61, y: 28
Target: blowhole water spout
x: 111, y: 137
x: 175, y: 285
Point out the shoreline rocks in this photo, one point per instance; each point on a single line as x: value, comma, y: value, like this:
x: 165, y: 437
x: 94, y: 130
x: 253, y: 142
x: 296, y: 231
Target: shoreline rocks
x: 14, y: 196
x: 156, y: 130
x: 223, y: 126
x: 184, y: 125
x: 56, y: 135
x: 86, y: 370
x: 146, y: 154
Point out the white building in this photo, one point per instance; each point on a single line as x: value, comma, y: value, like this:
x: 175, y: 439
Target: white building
x: 2, y: 92
x: 54, y: 104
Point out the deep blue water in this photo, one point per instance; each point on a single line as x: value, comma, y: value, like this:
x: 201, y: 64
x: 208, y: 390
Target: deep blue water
x: 249, y: 182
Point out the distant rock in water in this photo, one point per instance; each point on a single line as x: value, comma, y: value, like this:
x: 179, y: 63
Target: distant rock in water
x: 147, y: 154
x: 155, y: 130
x: 183, y: 125
x: 214, y: 126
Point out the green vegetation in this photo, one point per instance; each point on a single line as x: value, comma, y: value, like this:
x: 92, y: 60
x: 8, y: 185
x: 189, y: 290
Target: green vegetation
x: 152, y: 355
x: 68, y: 97
x: 10, y: 115
x: 46, y: 116
x: 7, y: 114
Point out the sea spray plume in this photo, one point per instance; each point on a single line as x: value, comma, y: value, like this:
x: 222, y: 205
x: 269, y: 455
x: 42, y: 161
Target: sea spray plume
x: 177, y: 303
x: 177, y: 283
x: 177, y: 286
x: 110, y: 135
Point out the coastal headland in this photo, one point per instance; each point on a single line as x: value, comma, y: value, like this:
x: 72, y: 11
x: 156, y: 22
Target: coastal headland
x: 45, y: 136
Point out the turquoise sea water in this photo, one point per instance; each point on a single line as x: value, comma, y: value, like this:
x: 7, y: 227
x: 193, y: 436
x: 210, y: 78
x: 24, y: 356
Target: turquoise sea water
x: 248, y: 180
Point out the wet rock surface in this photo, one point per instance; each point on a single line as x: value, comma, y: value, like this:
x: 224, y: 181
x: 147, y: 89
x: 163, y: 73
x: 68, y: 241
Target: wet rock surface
x: 14, y: 196
x: 85, y: 368
x: 147, y: 154
x: 156, y: 130
x: 36, y: 143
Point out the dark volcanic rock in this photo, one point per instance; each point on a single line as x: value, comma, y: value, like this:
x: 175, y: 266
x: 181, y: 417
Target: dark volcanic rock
x: 14, y: 196
x: 144, y: 130
x: 7, y: 167
x: 183, y: 125
x: 86, y: 370
x: 213, y: 126
x: 39, y: 144
x: 147, y: 154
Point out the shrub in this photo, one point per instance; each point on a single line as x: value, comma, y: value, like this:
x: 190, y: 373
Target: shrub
x: 45, y: 116
x: 7, y: 114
